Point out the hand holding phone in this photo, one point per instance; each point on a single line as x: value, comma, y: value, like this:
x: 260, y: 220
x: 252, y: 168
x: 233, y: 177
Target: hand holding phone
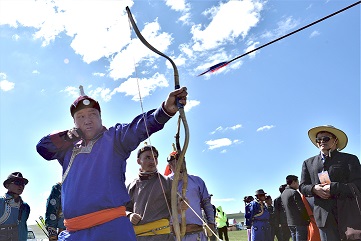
x: 74, y: 134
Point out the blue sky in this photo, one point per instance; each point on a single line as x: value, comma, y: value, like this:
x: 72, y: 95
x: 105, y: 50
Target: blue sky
x: 248, y: 122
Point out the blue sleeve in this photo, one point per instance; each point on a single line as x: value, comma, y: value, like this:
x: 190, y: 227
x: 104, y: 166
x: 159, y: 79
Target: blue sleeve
x: 54, y: 146
x: 253, y: 209
x: 129, y: 136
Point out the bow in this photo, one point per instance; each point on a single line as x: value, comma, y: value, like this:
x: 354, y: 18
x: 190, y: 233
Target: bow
x: 179, y: 232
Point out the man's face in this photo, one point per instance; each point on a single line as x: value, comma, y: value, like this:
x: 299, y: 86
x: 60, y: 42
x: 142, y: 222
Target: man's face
x: 148, y: 162
x: 261, y: 197
x: 88, y: 120
x: 16, y: 186
x: 296, y: 184
x: 326, y: 141
x: 173, y: 166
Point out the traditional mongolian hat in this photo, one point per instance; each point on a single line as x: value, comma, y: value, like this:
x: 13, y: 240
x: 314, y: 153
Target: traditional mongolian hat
x: 173, y: 155
x: 15, y: 176
x: 341, y: 136
x: 260, y: 192
x: 82, y: 102
x: 147, y: 147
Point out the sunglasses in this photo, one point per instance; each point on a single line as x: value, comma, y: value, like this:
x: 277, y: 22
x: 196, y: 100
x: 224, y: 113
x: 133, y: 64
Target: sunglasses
x: 324, y: 139
x: 18, y: 183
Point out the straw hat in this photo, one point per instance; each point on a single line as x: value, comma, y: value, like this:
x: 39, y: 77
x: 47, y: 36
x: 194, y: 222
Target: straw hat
x: 341, y: 136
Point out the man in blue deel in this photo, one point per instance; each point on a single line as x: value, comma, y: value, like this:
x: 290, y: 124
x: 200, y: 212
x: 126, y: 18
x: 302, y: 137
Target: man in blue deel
x: 93, y: 159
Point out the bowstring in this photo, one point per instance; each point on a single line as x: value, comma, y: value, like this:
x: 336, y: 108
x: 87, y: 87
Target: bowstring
x: 146, y: 125
x: 194, y: 211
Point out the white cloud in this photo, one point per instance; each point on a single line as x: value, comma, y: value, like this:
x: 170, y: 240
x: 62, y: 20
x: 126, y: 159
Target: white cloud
x: 284, y: 27
x: 6, y: 85
x: 229, y: 21
x: 124, y: 63
x: 186, y: 49
x: 190, y: 104
x: 177, y: 5
x: 98, y: 32
x: 265, y: 128
x: 72, y: 91
x: 314, y: 34
x: 185, y: 18
x: 146, y: 86
x: 234, y: 127
x: 251, y: 46
x: 213, y: 144
x: 104, y: 93
x: 221, y: 129
x: 99, y: 74
x: 15, y: 37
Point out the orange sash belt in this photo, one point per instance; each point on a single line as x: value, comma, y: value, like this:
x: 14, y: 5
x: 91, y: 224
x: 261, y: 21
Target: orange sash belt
x: 93, y: 219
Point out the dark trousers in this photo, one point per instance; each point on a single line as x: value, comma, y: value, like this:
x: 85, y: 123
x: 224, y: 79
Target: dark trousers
x: 283, y: 233
x: 330, y: 231
x: 224, y: 231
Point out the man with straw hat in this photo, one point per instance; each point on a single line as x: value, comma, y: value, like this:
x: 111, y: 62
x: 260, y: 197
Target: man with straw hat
x: 325, y: 176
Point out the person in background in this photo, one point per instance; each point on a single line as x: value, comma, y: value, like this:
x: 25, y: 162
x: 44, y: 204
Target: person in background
x: 222, y: 223
x: 272, y: 219
x: 150, y: 199
x: 93, y: 159
x: 14, y: 212
x: 282, y: 231
x: 198, y: 198
x: 325, y: 177
x: 247, y: 214
x: 54, y: 218
x: 261, y: 230
x: 297, y: 217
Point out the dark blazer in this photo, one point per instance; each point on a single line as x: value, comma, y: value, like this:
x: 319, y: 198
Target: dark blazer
x: 280, y: 213
x: 342, y: 168
x: 295, y: 209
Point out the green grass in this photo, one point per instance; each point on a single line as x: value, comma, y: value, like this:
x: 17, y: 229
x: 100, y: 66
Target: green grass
x: 239, y: 235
